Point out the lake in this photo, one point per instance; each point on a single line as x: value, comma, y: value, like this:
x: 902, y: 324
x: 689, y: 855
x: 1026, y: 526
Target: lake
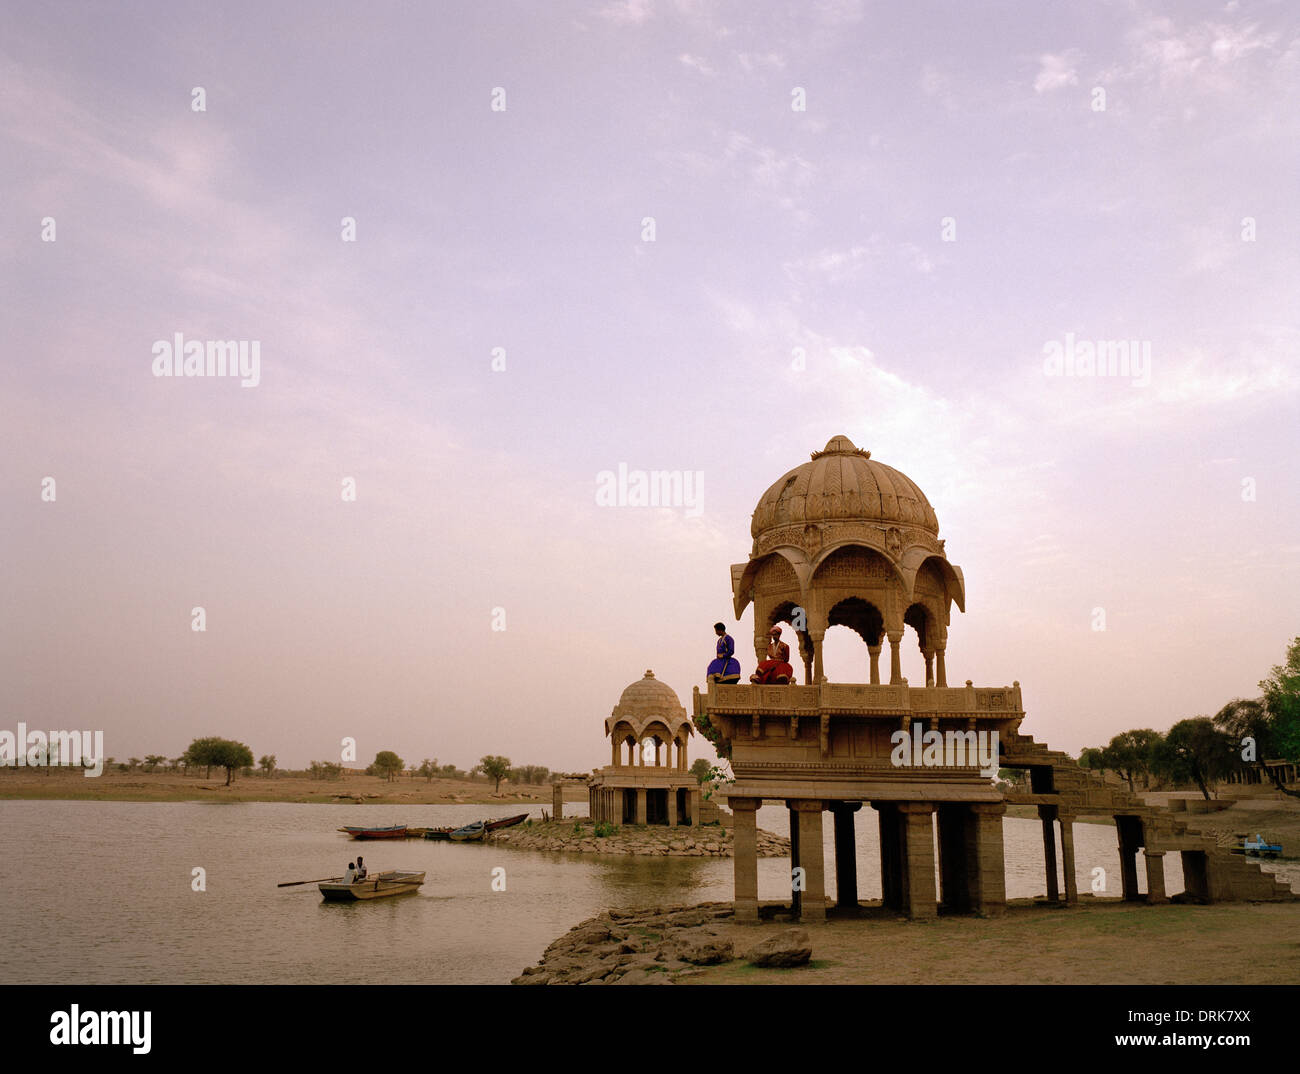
x: 100, y: 892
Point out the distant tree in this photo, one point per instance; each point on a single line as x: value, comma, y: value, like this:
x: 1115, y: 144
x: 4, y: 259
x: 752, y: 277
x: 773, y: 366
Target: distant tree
x: 1282, y: 699
x: 449, y: 771
x: 1130, y: 752
x: 700, y: 769
x: 267, y: 764
x: 153, y: 760
x: 1267, y: 728
x: 387, y: 764
x: 220, y: 753
x: 175, y: 763
x: 132, y: 763
x: 495, y: 768
x: 1093, y: 759
x: 331, y: 770
x: 428, y: 769
x: 1194, y: 751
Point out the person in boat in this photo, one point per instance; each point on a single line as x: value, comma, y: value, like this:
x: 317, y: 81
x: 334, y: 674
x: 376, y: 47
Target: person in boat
x: 726, y: 668
x: 776, y: 669
x: 361, y: 868
x: 350, y: 877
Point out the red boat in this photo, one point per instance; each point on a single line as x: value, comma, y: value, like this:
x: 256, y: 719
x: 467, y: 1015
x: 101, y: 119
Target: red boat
x: 395, y: 831
x: 507, y: 822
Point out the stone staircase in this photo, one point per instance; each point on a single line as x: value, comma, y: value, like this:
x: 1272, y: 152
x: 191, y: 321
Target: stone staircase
x: 1057, y: 780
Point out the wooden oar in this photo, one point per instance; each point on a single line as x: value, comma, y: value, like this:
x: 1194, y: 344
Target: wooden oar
x: 295, y: 883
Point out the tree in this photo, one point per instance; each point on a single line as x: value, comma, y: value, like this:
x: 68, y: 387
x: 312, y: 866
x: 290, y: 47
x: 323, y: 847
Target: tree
x: 1194, y: 750
x: 388, y: 764
x: 132, y: 763
x: 220, y: 753
x: 700, y: 769
x: 495, y: 768
x: 153, y: 760
x: 267, y: 764
x: 1093, y: 759
x: 428, y: 769
x: 1129, y: 754
x: 1282, y: 700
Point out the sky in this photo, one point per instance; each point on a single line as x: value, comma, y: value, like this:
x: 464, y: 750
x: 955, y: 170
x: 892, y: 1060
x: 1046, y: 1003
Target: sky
x: 674, y: 236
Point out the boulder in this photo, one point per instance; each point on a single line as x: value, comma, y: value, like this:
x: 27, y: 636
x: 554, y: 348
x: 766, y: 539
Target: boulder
x: 792, y: 947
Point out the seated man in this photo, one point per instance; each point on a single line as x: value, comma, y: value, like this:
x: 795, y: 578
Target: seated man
x: 350, y: 877
x: 776, y: 669
x: 361, y: 868
x: 725, y: 668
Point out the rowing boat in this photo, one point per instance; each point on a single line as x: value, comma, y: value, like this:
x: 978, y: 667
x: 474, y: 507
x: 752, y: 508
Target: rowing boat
x: 506, y: 822
x: 372, y: 887
x: 395, y: 831
x: 471, y: 833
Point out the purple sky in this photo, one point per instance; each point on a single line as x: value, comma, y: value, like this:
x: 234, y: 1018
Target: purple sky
x: 775, y: 230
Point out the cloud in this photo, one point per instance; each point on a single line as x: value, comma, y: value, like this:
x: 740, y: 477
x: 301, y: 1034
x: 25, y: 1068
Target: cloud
x: 698, y: 63
x: 626, y: 12
x: 1057, y: 70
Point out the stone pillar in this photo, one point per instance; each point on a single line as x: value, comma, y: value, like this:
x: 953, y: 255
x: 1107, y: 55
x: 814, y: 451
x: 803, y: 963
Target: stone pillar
x: 696, y: 796
x: 1047, y: 815
x: 557, y: 800
x: 817, y: 673
x: 640, y: 805
x: 745, y: 845
x: 954, y: 851
x: 1156, y: 876
x: 929, y: 666
x: 895, y: 660
x: 1067, y: 857
x: 1128, y: 829
x: 846, y: 855
x: 940, y: 675
x: 672, y: 807
x: 920, y: 901
x: 891, y: 859
x: 984, y: 858
x: 812, y: 858
x: 874, y: 651
x: 614, y: 757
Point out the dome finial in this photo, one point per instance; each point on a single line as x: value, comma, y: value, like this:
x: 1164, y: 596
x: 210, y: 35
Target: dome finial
x: 840, y: 445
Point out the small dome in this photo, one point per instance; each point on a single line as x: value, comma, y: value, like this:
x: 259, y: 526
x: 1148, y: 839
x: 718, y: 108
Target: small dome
x: 843, y: 482
x: 648, y: 700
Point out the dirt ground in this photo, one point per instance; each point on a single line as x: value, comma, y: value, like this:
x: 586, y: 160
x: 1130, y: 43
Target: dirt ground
x: 1101, y: 942
x: 138, y: 786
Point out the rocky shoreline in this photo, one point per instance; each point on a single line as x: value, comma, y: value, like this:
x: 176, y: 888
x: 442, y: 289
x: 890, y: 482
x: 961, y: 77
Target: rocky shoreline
x: 659, y: 946
x: 581, y: 836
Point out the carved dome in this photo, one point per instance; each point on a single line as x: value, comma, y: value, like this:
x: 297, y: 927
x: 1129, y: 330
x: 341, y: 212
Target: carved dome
x: 843, y: 482
x: 648, y: 701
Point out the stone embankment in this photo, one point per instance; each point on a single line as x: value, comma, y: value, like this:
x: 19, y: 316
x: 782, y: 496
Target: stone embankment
x: 580, y: 837
x: 655, y: 947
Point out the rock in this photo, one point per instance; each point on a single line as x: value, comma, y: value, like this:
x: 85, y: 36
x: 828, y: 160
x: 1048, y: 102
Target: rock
x: 704, y: 950
x: 792, y: 947
x: 643, y: 977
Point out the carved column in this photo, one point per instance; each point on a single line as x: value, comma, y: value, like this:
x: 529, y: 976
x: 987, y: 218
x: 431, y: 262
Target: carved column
x: 1156, y: 876
x: 891, y: 857
x: 895, y: 659
x: 984, y: 855
x: 672, y: 807
x: 929, y: 666
x: 874, y: 650
x: 640, y: 805
x: 614, y: 760
x: 1047, y: 816
x: 745, y: 845
x: 812, y: 859
x: 1067, y: 858
x: 940, y: 674
x: 920, y: 899
x: 846, y: 855
x: 817, y: 673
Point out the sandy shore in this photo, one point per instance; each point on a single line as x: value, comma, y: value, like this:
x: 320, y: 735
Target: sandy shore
x: 1102, y: 941
x: 359, y: 789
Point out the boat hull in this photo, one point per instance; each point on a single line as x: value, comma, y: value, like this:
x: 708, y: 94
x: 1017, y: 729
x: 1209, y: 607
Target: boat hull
x: 380, y: 886
x: 506, y: 822
x: 396, y: 832
x: 471, y: 833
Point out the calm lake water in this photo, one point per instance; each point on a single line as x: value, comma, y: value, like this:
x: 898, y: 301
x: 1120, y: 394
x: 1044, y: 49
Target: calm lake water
x: 100, y: 892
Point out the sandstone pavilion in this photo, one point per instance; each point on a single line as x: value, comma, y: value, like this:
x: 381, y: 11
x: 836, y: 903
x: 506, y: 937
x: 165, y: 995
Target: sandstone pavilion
x: 844, y: 540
